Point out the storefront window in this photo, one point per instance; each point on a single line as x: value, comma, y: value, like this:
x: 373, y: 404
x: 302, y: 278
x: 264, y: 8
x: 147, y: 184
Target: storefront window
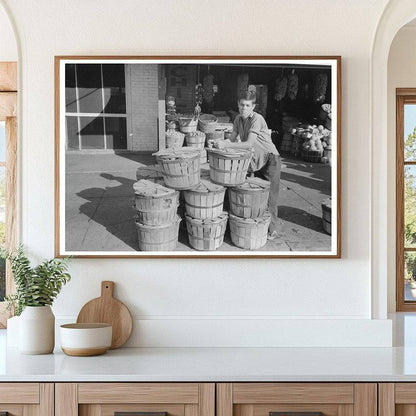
x: 95, y: 98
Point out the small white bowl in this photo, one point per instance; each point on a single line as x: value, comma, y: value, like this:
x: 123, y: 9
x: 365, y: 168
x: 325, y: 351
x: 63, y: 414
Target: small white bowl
x: 83, y: 340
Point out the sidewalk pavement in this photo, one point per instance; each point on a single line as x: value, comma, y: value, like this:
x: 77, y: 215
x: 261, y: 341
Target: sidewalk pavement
x: 99, y: 206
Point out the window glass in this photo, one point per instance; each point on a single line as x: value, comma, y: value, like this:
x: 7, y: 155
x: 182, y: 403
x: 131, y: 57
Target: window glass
x: 410, y: 206
x: 410, y: 132
x: 116, y: 132
x: 114, y: 89
x: 409, y: 275
x: 89, y: 88
x: 70, y: 90
x: 72, y: 132
x: 92, y: 132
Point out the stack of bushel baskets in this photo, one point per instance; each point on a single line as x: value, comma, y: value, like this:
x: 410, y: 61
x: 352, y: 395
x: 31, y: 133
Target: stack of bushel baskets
x: 188, y: 126
x: 157, y: 222
x: 249, y: 221
x: 161, y: 204
x: 205, y: 220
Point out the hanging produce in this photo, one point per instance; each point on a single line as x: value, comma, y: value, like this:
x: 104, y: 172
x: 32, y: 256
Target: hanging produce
x: 242, y: 84
x: 292, y: 85
x: 252, y: 89
x: 208, y: 85
x: 319, y: 91
x: 280, y: 88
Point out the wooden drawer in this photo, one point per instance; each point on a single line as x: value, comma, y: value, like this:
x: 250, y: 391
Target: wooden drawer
x: 27, y: 399
x: 105, y: 399
x: 332, y: 399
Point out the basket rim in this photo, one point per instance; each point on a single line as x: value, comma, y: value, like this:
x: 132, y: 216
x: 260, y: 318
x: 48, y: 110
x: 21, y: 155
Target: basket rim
x: 208, y: 118
x: 221, y: 154
x: 173, y: 158
x: 266, y: 217
x: 158, y: 227
x: 223, y: 217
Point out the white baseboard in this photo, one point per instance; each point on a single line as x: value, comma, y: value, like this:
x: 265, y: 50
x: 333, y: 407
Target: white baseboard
x: 258, y: 332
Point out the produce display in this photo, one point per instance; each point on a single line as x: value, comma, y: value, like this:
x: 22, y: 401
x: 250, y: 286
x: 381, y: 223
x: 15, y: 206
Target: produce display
x: 174, y: 138
x: 208, y: 89
x: 292, y: 86
x: 320, y: 86
x: 315, y: 140
x: 281, y: 88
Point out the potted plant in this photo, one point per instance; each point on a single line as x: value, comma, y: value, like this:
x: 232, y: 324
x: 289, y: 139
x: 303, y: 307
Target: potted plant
x: 36, y: 289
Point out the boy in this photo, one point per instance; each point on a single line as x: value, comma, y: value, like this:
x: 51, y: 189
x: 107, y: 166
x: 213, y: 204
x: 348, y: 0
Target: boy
x: 250, y: 131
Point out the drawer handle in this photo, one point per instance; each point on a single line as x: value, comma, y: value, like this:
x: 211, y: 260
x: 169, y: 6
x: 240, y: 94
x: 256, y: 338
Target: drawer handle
x: 138, y: 414
x: 296, y: 414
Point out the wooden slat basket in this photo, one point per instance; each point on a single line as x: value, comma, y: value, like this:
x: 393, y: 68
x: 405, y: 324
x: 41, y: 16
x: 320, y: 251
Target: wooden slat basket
x: 249, y: 200
x: 314, y: 156
x: 207, y: 123
x: 158, y: 237
x: 207, y: 234
x: 188, y: 124
x: 205, y: 200
x: 174, y: 139
x: 203, y: 156
x: 155, y: 204
x: 286, y: 144
x: 195, y: 139
x: 228, y: 167
x: 249, y: 233
x: 180, y: 168
x: 327, y: 215
x: 296, y: 147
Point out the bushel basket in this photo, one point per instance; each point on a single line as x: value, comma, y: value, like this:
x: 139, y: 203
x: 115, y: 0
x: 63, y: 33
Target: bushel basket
x: 174, y: 139
x: 195, y: 139
x: 326, y: 215
x: 250, y: 199
x: 229, y: 167
x: 205, y: 200
x: 314, y: 156
x: 158, y: 237
x: 207, y: 123
x: 188, y: 124
x: 155, y: 204
x: 249, y: 233
x: 180, y: 168
x: 207, y: 234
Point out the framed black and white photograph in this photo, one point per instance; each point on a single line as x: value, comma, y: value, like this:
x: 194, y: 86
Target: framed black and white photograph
x: 198, y: 156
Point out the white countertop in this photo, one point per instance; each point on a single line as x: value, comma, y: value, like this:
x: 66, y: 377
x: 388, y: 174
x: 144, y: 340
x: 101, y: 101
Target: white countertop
x: 213, y: 364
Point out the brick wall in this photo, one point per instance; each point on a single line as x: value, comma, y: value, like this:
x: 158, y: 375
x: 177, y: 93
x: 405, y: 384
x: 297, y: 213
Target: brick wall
x: 144, y: 107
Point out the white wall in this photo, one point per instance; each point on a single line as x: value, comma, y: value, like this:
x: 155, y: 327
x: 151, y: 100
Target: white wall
x: 180, y: 301
x: 8, y: 46
x: 401, y: 74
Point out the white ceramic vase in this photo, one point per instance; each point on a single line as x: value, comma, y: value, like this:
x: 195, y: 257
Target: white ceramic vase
x: 37, y: 330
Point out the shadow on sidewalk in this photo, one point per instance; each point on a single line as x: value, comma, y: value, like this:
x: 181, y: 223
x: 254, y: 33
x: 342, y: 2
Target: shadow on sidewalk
x: 301, y: 217
x: 113, y: 208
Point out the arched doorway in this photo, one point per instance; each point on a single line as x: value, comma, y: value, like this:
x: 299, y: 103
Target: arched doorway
x: 396, y: 14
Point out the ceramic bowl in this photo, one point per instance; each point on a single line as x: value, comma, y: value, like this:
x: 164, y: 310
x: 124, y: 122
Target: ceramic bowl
x: 83, y: 340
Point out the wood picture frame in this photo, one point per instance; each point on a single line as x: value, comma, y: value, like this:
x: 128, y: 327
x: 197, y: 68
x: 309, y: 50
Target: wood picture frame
x: 111, y: 115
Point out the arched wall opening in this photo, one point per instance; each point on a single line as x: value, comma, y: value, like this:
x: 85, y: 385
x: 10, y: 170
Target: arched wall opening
x: 8, y: 45
x: 396, y: 15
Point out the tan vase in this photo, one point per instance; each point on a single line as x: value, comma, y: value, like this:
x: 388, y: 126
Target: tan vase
x: 37, y: 330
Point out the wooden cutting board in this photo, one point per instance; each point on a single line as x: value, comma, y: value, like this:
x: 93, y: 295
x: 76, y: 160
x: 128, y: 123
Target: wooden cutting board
x: 107, y: 309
